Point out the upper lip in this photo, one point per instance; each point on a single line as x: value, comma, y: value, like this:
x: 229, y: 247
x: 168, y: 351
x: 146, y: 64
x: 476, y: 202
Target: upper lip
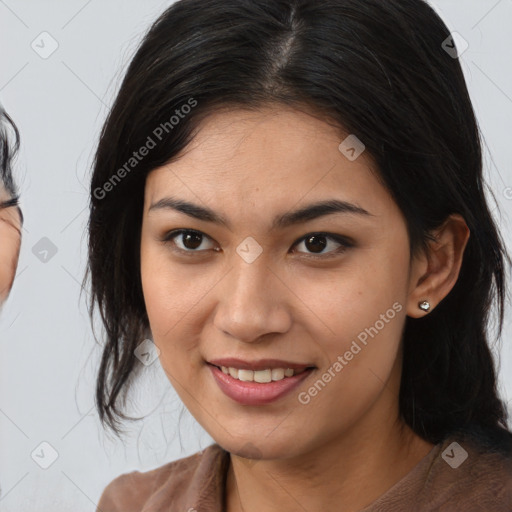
x: 260, y: 364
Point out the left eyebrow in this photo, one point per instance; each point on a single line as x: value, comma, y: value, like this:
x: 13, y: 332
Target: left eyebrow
x: 316, y: 210
x: 308, y: 213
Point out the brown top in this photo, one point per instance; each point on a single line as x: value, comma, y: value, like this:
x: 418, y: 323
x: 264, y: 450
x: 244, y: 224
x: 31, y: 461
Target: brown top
x: 452, y: 477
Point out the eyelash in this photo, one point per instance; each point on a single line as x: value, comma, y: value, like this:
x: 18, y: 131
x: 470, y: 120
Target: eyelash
x: 344, y: 243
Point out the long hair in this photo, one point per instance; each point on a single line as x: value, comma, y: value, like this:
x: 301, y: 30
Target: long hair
x: 379, y: 70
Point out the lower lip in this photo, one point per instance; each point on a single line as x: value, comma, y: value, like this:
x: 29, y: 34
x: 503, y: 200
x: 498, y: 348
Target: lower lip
x: 255, y: 393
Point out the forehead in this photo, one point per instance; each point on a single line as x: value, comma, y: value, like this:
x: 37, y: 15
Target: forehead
x: 255, y: 158
x: 265, y: 139
x: 4, y: 195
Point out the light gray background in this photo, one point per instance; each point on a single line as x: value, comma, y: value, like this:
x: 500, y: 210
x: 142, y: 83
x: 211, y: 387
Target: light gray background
x: 48, y: 356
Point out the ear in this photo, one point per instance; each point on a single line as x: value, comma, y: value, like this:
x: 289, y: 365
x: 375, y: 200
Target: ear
x: 434, y: 272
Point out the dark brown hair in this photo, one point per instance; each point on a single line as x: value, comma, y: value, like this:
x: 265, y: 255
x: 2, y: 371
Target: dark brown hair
x: 9, y: 145
x: 377, y: 69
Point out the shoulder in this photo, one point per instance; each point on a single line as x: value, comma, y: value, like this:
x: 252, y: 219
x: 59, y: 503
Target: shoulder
x: 467, y: 475
x: 177, y: 480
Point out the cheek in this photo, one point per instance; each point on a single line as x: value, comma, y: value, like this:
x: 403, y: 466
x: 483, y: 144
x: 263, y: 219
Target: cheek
x: 358, y: 338
x: 172, y: 296
x: 164, y: 292
x: 160, y: 289
x: 9, y: 252
x: 359, y: 309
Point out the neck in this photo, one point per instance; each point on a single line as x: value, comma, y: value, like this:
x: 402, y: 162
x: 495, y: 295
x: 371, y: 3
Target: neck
x: 345, y: 474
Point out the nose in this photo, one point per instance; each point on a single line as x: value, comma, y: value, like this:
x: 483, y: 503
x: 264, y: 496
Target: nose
x: 252, y: 301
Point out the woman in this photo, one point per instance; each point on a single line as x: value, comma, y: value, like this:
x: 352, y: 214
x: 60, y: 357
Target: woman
x: 11, y: 218
x: 287, y: 200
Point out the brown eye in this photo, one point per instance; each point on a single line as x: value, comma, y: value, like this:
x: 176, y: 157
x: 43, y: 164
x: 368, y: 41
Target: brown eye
x: 187, y: 240
x: 191, y: 240
x: 315, y: 243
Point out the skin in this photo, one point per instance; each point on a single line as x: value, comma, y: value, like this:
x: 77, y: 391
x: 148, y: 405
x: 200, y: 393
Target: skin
x: 348, y: 445
x: 10, y: 241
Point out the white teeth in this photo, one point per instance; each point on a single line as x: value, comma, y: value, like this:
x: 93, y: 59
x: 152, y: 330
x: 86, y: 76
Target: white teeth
x: 246, y: 375
x: 277, y: 373
x: 261, y: 376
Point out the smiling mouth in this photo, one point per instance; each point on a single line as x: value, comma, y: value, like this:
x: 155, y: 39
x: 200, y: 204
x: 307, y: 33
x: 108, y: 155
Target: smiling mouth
x: 258, y: 383
x: 262, y: 376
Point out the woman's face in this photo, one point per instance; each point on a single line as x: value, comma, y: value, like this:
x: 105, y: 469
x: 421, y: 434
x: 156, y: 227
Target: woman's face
x: 10, y: 240
x: 258, y: 289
